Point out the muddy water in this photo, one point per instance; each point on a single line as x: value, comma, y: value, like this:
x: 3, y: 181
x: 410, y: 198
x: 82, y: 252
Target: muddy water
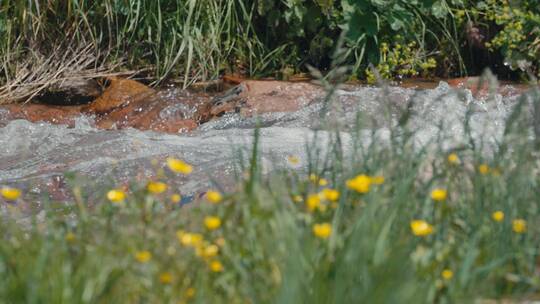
x: 36, y: 156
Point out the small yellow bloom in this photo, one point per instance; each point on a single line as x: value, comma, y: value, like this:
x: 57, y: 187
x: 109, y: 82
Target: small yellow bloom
x: 176, y: 198
x: 143, y: 256
x: 377, y: 180
x: 189, y: 239
x: 212, y: 222
x: 483, y: 169
x: 70, y: 237
x: 453, y: 159
x: 210, y: 251
x: 165, y: 278
x: 421, y: 228
x: 323, y: 230
x: 216, y: 266
x: 213, y: 196
x: 360, y: 183
x: 519, y: 225
x: 179, y: 166
x: 497, y: 216
x: 438, y: 194
x: 293, y: 160
x: 10, y: 194
x: 331, y: 194
x: 297, y: 199
x: 313, y: 202
x: 116, y: 196
x: 313, y: 178
x: 447, y: 274
x: 156, y: 187
x: 323, y: 182
x: 190, y: 292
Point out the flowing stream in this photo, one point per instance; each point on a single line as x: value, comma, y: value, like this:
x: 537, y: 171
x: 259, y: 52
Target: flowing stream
x: 36, y: 156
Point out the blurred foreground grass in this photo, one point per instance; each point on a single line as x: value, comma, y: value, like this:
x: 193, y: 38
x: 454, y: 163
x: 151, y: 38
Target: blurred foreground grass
x: 385, y: 222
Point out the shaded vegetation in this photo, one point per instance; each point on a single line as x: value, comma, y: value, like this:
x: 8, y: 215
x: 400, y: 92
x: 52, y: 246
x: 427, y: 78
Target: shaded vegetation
x: 201, y: 39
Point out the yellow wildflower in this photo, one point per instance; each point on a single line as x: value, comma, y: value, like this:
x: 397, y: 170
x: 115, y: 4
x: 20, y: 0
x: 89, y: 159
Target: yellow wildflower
x: 421, y: 228
x: 165, y: 278
x: 331, y: 194
x: 210, y: 251
x: 313, y: 178
x: 293, y: 160
x: 179, y: 166
x: 323, y: 182
x: 213, y: 196
x: 156, y: 187
x: 10, y: 193
x: 438, y: 194
x: 189, y: 239
x: 216, y: 266
x: 313, y: 202
x: 143, y: 256
x: 483, y: 169
x: 519, y: 225
x: 70, y: 237
x: 176, y: 198
x: 212, y: 222
x: 116, y: 196
x: 497, y: 216
x: 453, y: 159
x: 297, y: 199
x: 447, y: 274
x: 377, y: 180
x: 360, y: 183
x: 323, y: 230
x: 190, y: 292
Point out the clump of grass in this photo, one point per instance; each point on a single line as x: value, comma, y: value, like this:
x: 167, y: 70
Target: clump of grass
x: 191, y: 39
x: 383, y: 221
x: 199, y: 40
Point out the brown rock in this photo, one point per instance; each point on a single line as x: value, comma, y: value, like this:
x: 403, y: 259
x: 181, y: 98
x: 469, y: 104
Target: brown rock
x: 46, y: 113
x: 482, y: 88
x: 256, y: 97
x: 119, y: 93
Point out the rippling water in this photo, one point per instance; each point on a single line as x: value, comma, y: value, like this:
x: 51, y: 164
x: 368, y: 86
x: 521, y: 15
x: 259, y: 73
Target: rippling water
x: 35, y: 156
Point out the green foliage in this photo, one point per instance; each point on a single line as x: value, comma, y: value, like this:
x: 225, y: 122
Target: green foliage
x: 201, y: 39
x: 519, y: 36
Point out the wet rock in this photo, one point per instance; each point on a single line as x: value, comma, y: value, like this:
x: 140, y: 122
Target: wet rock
x: 130, y: 104
x: 254, y: 97
x: 482, y: 88
x: 44, y: 113
x: 119, y: 93
x: 163, y: 111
